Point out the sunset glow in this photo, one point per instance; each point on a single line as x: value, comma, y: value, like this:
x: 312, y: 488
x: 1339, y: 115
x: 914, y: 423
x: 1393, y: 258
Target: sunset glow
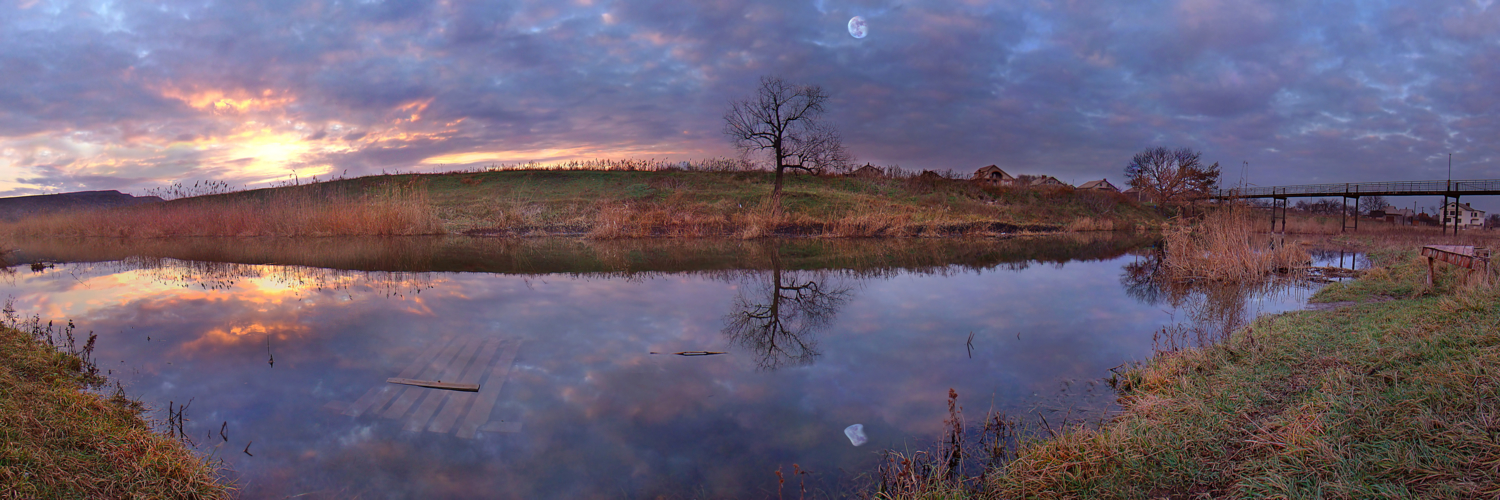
x: 135, y: 96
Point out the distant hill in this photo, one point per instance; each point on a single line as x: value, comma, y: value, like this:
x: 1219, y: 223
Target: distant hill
x: 23, y: 206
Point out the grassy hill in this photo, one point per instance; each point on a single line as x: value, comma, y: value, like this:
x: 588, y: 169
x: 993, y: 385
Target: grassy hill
x: 610, y: 204
x: 17, y: 207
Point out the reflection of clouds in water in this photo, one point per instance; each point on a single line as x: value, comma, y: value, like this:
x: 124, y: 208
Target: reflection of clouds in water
x: 600, y: 414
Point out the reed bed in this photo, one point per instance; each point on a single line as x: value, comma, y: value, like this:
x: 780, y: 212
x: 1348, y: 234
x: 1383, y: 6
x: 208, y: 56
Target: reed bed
x: 312, y: 210
x: 1223, y: 246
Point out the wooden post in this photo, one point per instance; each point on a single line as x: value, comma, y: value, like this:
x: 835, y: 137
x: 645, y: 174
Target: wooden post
x: 1429, y: 270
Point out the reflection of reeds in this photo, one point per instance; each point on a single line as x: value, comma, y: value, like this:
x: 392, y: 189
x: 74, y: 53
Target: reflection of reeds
x: 575, y: 255
x: 305, y: 211
x: 61, y: 441
x: 958, y: 465
x: 1222, y: 247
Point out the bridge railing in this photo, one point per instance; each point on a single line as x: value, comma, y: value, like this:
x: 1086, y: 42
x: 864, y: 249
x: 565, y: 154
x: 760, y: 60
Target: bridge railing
x: 1363, y: 188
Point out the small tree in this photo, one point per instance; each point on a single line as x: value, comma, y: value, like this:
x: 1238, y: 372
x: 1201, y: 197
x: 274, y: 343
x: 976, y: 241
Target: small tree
x: 1369, y: 204
x: 1171, y: 175
x: 781, y: 119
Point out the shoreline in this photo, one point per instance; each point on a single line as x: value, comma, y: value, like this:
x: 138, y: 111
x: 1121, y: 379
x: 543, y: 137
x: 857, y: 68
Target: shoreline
x: 62, y: 441
x: 1386, y: 394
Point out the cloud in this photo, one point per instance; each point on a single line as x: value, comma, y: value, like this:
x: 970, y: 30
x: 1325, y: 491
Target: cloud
x: 1303, y: 91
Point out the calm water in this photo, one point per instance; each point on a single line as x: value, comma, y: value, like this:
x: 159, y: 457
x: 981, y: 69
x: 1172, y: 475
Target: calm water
x: 277, y: 342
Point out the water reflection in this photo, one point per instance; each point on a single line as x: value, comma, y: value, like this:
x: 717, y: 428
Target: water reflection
x: 820, y: 335
x: 1210, y: 311
x: 777, y: 315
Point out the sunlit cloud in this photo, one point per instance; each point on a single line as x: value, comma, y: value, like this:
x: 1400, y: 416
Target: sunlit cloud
x: 133, y: 96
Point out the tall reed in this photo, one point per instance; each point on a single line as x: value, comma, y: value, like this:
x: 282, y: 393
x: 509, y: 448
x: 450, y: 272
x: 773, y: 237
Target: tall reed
x: 309, y: 211
x: 1222, y: 247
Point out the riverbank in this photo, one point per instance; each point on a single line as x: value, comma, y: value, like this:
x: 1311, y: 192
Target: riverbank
x: 612, y: 204
x: 59, y: 441
x: 1391, y: 394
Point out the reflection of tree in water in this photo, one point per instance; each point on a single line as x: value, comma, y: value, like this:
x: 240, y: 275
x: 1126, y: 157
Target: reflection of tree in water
x: 1213, y: 309
x: 777, y: 314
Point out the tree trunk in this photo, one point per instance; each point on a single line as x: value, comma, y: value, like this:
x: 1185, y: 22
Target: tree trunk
x: 776, y: 190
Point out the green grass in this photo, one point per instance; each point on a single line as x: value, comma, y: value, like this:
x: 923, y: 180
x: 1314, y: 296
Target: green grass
x: 608, y: 204
x: 1396, y: 398
x: 58, y: 441
x: 688, y: 203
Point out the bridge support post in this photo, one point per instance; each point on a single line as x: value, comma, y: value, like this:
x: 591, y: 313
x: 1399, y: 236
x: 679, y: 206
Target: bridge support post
x: 1278, y: 211
x: 1457, y: 214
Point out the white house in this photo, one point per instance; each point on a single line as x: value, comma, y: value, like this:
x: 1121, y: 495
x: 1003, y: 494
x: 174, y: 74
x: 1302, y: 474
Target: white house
x: 1466, y: 215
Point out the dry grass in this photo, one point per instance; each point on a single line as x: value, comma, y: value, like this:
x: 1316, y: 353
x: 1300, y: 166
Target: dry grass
x: 312, y: 210
x: 1223, y: 246
x: 1395, y: 399
x: 608, y: 200
x: 57, y: 441
x: 626, y: 203
x: 1091, y: 224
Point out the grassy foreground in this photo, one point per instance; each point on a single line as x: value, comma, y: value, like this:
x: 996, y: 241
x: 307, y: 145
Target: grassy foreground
x: 609, y: 204
x: 57, y: 441
x: 1395, y: 395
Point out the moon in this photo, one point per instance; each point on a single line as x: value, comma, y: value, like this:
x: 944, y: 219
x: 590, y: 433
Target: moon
x: 857, y: 27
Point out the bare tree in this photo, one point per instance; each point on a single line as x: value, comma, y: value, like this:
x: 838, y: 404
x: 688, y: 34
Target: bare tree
x: 1171, y: 175
x: 1369, y: 204
x: 782, y: 120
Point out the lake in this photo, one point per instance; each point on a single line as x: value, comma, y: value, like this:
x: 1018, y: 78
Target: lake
x: 282, y: 350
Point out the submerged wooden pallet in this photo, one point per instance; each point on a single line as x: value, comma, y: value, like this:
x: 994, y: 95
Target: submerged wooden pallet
x: 472, y: 371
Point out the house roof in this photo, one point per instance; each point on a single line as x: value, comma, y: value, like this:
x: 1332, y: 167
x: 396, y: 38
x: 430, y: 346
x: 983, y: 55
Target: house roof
x: 1042, y: 180
x: 991, y: 172
x: 1465, y: 206
x: 1099, y: 184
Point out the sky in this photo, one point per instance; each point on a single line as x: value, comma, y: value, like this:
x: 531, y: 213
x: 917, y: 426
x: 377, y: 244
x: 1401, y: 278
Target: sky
x: 136, y: 95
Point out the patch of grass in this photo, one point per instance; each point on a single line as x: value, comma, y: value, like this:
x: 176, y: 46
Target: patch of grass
x: 615, y: 201
x: 627, y: 204
x: 58, y: 441
x: 1395, y: 399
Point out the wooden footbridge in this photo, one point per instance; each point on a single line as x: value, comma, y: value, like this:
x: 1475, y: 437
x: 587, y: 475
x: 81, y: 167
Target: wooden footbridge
x: 1355, y: 190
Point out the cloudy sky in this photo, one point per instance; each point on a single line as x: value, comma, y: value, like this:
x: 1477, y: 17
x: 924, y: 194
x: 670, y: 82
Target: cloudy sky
x: 133, y: 95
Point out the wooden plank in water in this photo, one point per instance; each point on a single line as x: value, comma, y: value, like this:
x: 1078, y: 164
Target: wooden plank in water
x: 459, y: 402
x: 376, y: 398
x: 429, y: 407
x: 336, y: 406
x: 435, y: 384
x: 501, y: 427
x: 489, y: 393
x: 409, y: 397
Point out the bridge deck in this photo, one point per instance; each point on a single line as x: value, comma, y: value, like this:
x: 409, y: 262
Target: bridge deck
x: 1398, y: 188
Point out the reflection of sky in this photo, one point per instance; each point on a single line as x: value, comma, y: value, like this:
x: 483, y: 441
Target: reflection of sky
x: 601, y: 416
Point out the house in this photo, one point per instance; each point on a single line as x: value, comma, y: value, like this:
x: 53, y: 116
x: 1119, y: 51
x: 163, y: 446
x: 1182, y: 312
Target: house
x: 1040, y: 181
x: 1467, y: 217
x: 1101, y: 185
x: 993, y: 176
x: 1399, y: 216
x: 868, y: 171
x: 929, y: 176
